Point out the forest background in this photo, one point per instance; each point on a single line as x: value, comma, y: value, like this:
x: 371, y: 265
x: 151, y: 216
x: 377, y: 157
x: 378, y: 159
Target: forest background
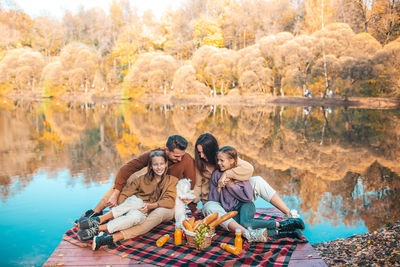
x: 205, y: 47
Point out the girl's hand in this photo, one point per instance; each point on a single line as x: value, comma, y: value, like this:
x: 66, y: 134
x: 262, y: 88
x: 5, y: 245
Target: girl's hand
x: 221, y: 182
x: 144, y: 209
x: 112, y: 201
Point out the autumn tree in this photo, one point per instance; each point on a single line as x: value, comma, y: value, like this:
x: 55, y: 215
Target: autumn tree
x: 207, y: 31
x: 49, y: 36
x: 388, y: 62
x: 296, y: 57
x: 384, y: 20
x: 78, y: 64
x: 254, y: 74
x: 22, y: 68
x: 185, y: 82
x: 152, y: 73
x: 318, y: 14
x: 270, y: 47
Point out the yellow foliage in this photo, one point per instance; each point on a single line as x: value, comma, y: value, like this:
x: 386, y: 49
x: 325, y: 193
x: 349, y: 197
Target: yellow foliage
x: 6, y: 88
x: 125, y: 53
x: 49, y: 137
x: 127, y: 145
x: 207, y: 31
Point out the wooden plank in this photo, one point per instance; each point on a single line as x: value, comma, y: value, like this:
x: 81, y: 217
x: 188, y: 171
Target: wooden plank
x: 307, y: 263
x: 67, y: 254
x: 305, y: 251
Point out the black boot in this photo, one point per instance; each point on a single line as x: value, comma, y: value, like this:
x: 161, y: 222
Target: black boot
x: 102, y: 240
x: 296, y: 234
x: 291, y: 224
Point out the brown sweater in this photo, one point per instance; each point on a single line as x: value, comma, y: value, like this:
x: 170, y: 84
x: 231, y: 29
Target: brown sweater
x: 183, y: 169
x: 143, y: 188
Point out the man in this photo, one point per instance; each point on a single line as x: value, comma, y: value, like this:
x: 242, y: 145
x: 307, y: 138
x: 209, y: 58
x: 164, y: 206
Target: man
x: 180, y: 165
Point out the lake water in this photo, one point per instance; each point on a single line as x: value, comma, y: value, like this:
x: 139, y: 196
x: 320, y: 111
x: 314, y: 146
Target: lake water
x: 338, y: 167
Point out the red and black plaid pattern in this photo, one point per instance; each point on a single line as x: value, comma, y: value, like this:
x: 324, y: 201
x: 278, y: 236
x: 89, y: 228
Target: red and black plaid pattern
x: 144, y: 249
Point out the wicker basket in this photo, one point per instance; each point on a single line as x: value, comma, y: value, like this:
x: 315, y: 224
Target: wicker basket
x: 207, y: 239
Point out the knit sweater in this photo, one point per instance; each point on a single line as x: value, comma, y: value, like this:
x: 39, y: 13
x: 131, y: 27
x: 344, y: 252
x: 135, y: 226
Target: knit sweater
x: 143, y: 188
x: 182, y: 169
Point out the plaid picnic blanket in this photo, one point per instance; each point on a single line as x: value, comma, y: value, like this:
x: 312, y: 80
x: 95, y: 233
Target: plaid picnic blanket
x: 144, y: 249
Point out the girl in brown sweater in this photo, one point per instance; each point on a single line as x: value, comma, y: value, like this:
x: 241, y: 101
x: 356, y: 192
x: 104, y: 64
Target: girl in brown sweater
x: 148, y: 192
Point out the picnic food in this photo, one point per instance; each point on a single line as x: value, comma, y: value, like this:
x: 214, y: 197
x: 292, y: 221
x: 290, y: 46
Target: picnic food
x: 187, y: 225
x: 191, y: 221
x: 238, y: 239
x: 201, y: 232
x: 223, y: 218
x: 196, y: 224
x: 162, y: 240
x: 178, y: 236
x: 230, y: 248
x: 210, y: 218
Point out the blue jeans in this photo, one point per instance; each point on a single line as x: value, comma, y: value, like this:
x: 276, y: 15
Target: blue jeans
x: 245, y: 217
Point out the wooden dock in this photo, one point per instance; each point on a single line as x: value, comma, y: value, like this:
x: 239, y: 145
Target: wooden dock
x: 67, y: 254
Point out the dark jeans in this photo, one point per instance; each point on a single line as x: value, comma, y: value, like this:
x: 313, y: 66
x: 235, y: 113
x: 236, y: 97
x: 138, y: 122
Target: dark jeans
x: 245, y: 217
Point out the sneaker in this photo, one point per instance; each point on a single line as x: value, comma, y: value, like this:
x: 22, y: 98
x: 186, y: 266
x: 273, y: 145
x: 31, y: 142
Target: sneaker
x: 86, y: 223
x: 256, y: 235
x: 291, y: 225
x: 89, y: 214
x: 294, y: 214
x: 102, y: 240
x: 296, y: 234
x: 87, y: 234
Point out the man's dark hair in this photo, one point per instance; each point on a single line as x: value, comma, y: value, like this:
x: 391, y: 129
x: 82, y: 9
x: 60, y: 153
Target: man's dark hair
x: 210, y: 148
x: 176, y: 141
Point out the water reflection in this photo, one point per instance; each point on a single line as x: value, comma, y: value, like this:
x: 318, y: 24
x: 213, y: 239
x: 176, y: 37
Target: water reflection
x: 335, y: 165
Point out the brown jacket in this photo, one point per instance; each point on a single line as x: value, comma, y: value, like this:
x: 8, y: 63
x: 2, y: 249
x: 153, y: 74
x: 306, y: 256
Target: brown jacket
x: 183, y: 169
x: 143, y: 188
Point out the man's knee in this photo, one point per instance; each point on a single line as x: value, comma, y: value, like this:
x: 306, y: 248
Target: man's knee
x: 162, y: 214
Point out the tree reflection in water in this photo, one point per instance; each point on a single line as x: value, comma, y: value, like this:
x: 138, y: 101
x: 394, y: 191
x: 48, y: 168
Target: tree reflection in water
x: 341, y: 164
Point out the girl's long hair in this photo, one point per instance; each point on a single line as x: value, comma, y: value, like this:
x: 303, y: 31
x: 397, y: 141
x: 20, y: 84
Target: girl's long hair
x: 150, y: 172
x: 210, y: 148
x: 231, y: 152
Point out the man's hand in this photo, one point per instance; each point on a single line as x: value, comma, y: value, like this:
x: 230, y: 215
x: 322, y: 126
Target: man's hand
x: 112, y: 201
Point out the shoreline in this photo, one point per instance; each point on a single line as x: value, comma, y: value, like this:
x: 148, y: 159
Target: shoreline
x: 381, y: 248
x: 252, y: 100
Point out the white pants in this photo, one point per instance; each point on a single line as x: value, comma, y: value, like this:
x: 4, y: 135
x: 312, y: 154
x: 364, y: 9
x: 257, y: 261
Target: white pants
x: 260, y: 188
x: 126, y: 215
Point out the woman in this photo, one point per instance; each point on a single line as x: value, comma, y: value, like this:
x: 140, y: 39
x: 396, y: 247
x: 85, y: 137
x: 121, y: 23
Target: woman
x: 206, y: 149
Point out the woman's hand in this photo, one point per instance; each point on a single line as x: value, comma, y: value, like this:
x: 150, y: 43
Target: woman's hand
x: 112, y: 201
